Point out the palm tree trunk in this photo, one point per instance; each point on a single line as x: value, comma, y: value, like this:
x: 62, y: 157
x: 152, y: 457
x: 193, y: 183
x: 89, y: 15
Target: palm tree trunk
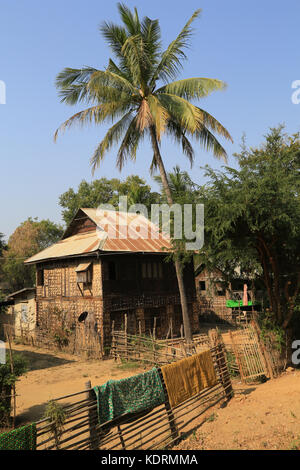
x: 178, y: 266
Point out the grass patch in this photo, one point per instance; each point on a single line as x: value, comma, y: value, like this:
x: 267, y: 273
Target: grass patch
x: 129, y: 365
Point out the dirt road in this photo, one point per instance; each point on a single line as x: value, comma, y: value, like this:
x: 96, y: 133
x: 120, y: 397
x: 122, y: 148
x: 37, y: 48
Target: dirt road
x: 260, y: 417
x: 53, y: 375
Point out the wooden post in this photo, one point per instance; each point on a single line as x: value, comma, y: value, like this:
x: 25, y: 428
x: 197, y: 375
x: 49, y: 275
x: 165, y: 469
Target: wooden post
x: 170, y: 414
x: 93, y: 418
x: 125, y: 338
x: 113, y: 341
x: 263, y: 350
x: 153, y: 341
x: 237, y: 356
x: 216, y: 342
x: 121, y: 438
x: 12, y: 371
x: 172, y: 350
x: 140, y: 339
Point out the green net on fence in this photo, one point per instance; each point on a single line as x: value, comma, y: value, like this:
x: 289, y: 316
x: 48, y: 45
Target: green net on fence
x: 23, y: 438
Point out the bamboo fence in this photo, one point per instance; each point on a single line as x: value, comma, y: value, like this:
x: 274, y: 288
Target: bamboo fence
x: 248, y: 355
x: 161, y: 427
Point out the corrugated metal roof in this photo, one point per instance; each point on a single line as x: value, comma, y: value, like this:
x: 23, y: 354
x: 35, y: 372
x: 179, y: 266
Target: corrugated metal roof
x: 115, y: 232
x: 21, y: 291
x: 82, y: 267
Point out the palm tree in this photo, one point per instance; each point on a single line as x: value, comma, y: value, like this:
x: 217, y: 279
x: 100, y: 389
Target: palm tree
x: 138, y: 91
x: 180, y: 184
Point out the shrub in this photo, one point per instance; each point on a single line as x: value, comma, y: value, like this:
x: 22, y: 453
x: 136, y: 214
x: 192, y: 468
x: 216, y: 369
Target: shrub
x: 7, y: 381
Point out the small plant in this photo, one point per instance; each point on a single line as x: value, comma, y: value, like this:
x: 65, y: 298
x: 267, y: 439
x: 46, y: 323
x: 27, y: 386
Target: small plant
x: 272, y: 334
x: 61, y: 337
x: 211, y: 418
x: 57, y: 417
x: 7, y: 381
x: 295, y: 445
x: 231, y: 364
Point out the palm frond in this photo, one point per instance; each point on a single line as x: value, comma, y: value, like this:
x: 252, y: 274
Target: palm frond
x: 121, y: 69
x: 171, y: 61
x: 151, y: 34
x: 191, y: 88
x: 131, y: 21
x: 115, y: 36
x: 96, y: 114
x: 112, y: 137
x: 129, y: 144
x: 107, y: 78
x: 72, y: 84
x: 176, y: 131
x: 153, y: 166
x: 182, y: 111
x: 136, y: 59
x: 210, y: 143
x: 209, y: 121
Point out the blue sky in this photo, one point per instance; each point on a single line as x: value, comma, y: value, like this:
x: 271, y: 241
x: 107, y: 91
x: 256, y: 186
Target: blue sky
x: 252, y: 45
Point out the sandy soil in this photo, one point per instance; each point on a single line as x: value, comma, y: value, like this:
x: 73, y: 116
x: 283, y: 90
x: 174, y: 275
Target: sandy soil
x: 54, y: 375
x: 259, y: 417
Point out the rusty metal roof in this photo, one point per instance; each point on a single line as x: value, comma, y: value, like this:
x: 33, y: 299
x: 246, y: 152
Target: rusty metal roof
x: 114, y: 232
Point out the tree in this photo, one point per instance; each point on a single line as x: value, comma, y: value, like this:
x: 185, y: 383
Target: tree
x: 2, y: 248
x: 30, y: 237
x: 103, y: 191
x: 182, y: 188
x: 2, y: 243
x: 136, y: 92
x: 252, y: 220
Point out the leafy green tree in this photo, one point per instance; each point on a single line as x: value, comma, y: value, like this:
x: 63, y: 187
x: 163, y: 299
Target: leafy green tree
x: 182, y: 188
x: 30, y: 237
x: 252, y: 220
x: 138, y: 91
x: 102, y: 191
x: 2, y: 243
x: 2, y: 248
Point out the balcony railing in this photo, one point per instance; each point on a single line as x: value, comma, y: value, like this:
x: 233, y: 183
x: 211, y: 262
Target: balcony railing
x: 133, y: 302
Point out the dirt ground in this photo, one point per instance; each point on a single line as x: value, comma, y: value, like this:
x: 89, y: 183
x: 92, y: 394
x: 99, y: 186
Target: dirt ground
x: 54, y: 375
x: 259, y: 417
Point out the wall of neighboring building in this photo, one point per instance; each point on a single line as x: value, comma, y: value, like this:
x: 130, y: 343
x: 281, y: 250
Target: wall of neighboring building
x: 24, y: 313
x: 212, y: 296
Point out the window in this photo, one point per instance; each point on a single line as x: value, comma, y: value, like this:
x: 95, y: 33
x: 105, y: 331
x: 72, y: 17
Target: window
x: 152, y: 270
x: 202, y: 285
x: 221, y: 293
x: 24, y: 313
x: 40, y: 277
x: 84, y: 273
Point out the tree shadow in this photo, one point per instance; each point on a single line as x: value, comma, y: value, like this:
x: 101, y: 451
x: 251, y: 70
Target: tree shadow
x: 38, y: 360
x: 32, y: 414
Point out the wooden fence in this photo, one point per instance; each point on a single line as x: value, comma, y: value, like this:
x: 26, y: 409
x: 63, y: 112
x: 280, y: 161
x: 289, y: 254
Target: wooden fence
x: 83, y: 341
x: 245, y: 350
x: 252, y: 358
x: 158, y: 428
